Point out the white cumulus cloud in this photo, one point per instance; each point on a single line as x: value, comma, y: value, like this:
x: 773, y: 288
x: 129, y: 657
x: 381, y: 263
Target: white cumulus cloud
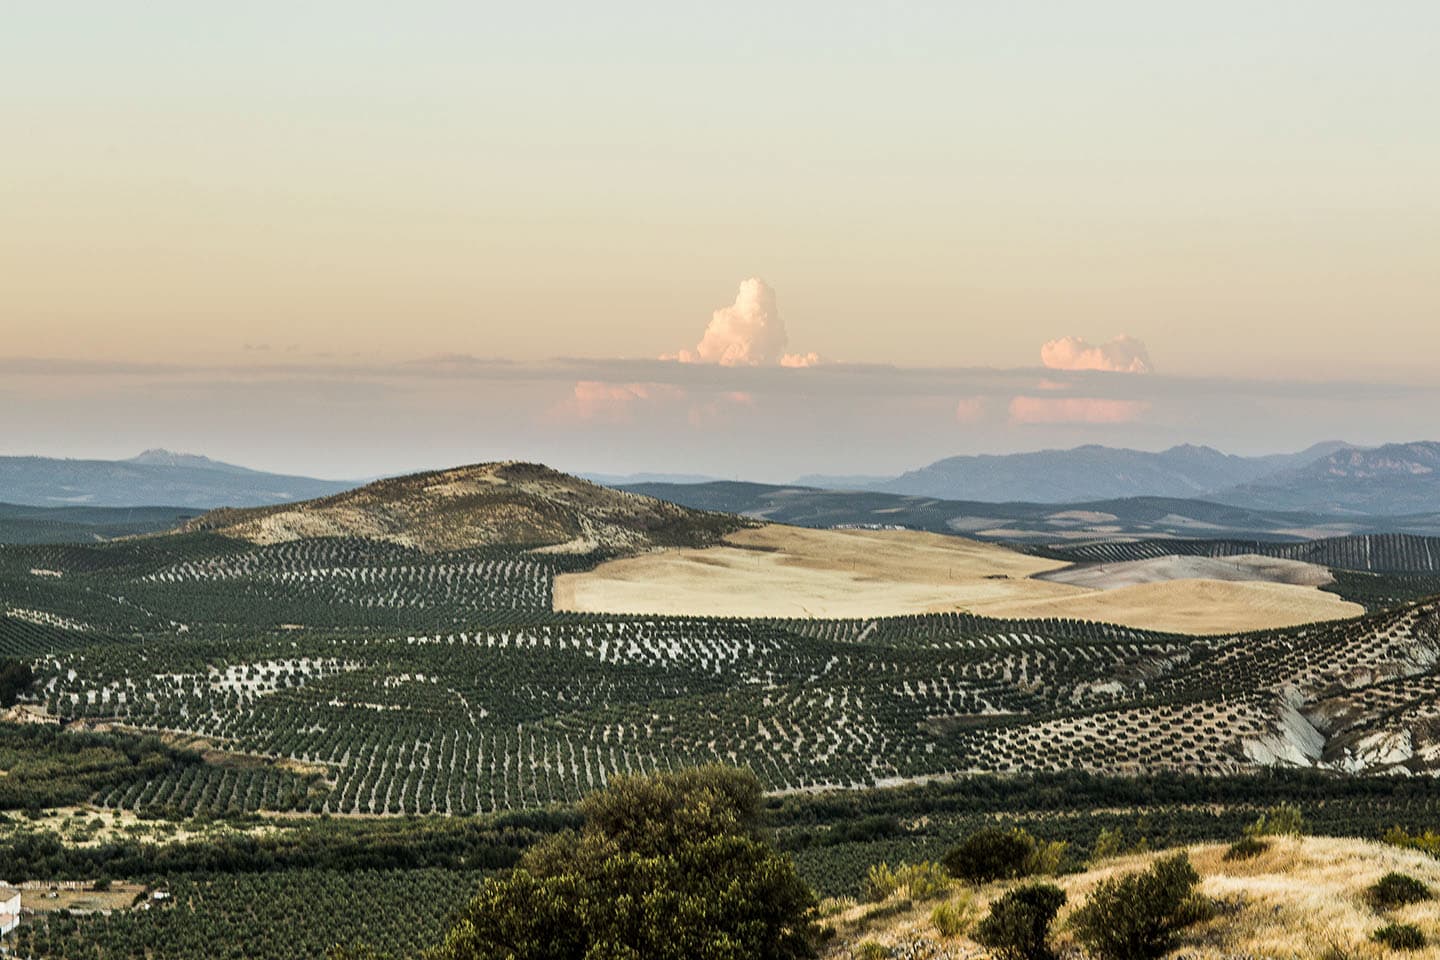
x: 1120, y: 355
x: 748, y: 333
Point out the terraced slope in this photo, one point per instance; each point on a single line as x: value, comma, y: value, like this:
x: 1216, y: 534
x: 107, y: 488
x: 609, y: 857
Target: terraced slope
x: 487, y: 505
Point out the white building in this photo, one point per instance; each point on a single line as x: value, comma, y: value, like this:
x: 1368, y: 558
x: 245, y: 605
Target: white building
x: 9, y: 909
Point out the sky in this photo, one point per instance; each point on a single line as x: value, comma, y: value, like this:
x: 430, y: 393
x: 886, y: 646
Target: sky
x: 739, y: 239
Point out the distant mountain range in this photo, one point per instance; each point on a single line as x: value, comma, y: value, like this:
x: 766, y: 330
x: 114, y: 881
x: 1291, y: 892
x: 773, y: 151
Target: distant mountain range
x: 1326, y: 482
x: 1039, y: 523
x: 1398, y: 478
x: 154, y: 478
x: 1093, y: 473
x: 1329, y: 478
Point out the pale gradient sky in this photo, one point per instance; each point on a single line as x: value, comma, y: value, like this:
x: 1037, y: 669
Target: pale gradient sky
x: 1248, y: 188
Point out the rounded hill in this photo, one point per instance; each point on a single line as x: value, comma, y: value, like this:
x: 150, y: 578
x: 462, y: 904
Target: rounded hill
x: 510, y: 504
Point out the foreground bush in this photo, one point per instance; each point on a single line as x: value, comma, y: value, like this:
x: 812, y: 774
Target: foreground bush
x: 1138, y: 916
x: 1246, y: 848
x: 1018, y: 925
x: 1397, y: 890
x: 1399, y: 936
x: 999, y: 854
x: 669, y: 867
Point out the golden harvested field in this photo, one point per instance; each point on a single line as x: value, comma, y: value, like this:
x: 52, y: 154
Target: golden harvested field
x: 779, y: 571
x: 1303, y: 898
x: 1197, y: 607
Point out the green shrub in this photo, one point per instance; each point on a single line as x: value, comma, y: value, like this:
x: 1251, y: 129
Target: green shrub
x: 1246, y: 848
x: 1429, y: 841
x: 954, y: 917
x: 926, y: 881
x: 870, y: 950
x: 1396, y: 890
x: 1110, y: 843
x: 990, y: 854
x: 1399, y: 936
x: 880, y: 883
x: 915, y: 881
x: 1138, y: 916
x: 1047, y: 858
x: 1284, y: 820
x: 1018, y: 925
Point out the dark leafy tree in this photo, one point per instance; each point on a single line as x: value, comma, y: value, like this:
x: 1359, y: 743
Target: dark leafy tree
x: 15, y: 678
x: 668, y: 867
x: 991, y: 854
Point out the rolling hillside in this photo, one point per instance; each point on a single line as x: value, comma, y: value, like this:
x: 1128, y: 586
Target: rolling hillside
x: 442, y: 682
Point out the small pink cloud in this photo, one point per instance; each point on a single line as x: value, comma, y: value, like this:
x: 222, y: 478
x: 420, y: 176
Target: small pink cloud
x: 970, y: 409
x: 1075, y: 410
x: 594, y: 400
x: 598, y: 402
x: 800, y: 360
x: 1120, y: 355
x: 720, y: 409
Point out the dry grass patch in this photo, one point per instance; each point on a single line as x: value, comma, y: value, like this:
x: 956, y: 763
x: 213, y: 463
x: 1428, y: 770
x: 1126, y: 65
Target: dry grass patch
x: 1301, y: 899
